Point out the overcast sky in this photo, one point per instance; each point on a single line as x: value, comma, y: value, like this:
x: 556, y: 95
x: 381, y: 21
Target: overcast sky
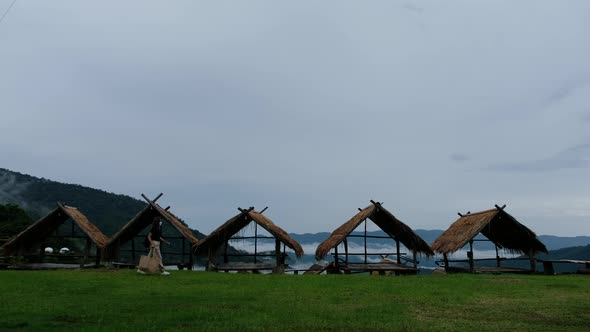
x: 310, y: 107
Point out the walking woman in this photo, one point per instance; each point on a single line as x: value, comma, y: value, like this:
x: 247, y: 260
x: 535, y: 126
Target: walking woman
x: 154, y: 238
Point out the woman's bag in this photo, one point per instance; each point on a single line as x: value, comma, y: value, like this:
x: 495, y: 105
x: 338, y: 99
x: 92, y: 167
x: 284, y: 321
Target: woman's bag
x: 149, y: 263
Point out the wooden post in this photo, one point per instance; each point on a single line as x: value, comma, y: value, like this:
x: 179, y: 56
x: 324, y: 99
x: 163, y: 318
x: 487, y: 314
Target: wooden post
x: 191, y: 259
x: 336, y: 262
x: 414, y: 258
x: 399, y: 259
x: 86, y: 252
x: 255, y: 240
x: 225, y: 260
x: 366, y: 240
x: 42, y: 251
x: 346, y: 250
x: 278, y: 253
x: 470, y: 257
x: 532, y: 259
x: 133, y: 250
x: 209, y: 259
x: 446, y: 260
x: 497, y: 256
x: 98, y: 256
x: 182, y: 255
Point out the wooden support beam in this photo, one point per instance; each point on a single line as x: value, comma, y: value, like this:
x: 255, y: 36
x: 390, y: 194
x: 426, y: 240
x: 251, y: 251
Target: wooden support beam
x: 446, y: 260
x: 225, y: 253
x: 346, y: 250
x: 336, y: 261
x: 42, y: 250
x: 255, y: 241
x: 459, y: 213
x: 183, y: 245
x: 209, y: 259
x: 399, y: 259
x: 497, y: 256
x: 414, y: 258
x: 500, y: 208
x: 532, y: 260
x: 261, y: 212
x: 470, y: 257
x: 167, y: 208
x: 149, y: 200
x: 98, y: 257
x: 86, y: 252
x: 278, y: 252
x: 133, y: 250
x: 366, y: 240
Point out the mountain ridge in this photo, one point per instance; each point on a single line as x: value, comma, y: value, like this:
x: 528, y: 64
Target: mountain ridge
x: 37, y: 196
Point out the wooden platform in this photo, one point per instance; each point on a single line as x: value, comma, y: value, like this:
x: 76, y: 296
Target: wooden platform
x: 499, y: 270
x: 47, y: 266
x: 378, y: 267
x: 244, y: 267
x: 319, y: 269
x: 548, y: 265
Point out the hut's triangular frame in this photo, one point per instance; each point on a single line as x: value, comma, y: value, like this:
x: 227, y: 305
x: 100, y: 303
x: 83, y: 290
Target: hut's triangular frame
x: 45, y: 226
x: 224, y: 233
x: 386, y: 221
x: 142, y: 220
x: 507, y: 233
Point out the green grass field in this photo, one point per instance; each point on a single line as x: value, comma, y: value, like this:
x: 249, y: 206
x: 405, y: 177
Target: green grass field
x: 105, y: 300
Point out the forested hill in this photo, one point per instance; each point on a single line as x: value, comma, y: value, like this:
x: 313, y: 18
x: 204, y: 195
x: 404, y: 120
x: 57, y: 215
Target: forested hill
x: 37, y: 196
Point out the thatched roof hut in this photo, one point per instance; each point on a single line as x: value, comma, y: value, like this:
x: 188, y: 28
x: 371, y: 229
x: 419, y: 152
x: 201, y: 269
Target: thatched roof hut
x: 385, y: 220
x: 224, y: 233
x: 32, y: 237
x: 497, y: 225
x: 144, y: 219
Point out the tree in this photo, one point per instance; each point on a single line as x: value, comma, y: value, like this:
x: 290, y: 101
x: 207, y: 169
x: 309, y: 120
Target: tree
x: 13, y: 220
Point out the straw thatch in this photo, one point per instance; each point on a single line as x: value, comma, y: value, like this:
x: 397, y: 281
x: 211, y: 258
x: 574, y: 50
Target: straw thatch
x: 142, y: 220
x: 497, y: 225
x: 384, y: 220
x: 224, y: 232
x: 44, y: 227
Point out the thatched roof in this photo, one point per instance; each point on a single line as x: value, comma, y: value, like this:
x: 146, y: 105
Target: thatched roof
x: 143, y: 219
x: 44, y: 227
x: 497, y: 225
x: 224, y: 232
x: 384, y: 220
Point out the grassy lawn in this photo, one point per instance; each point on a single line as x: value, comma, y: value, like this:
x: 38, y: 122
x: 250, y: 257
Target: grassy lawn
x: 123, y: 300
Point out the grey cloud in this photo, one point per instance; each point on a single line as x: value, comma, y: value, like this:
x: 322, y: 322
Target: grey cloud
x: 574, y: 157
x: 459, y: 157
x: 565, y: 90
x: 302, y: 104
x: 413, y: 7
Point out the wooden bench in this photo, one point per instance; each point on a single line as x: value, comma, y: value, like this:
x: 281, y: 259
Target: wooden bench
x: 381, y: 268
x: 245, y: 267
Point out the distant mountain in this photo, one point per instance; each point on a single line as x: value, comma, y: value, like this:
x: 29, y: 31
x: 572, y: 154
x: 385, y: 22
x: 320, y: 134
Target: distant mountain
x: 37, y: 196
x: 576, y: 253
